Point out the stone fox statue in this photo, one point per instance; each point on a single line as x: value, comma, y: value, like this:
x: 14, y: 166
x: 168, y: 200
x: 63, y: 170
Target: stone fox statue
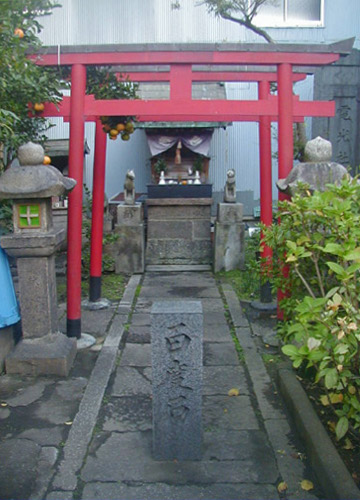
x: 129, y: 188
x: 230, y: 187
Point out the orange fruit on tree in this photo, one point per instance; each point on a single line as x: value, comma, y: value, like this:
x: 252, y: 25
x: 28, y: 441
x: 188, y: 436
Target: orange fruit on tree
x: 19, y: 32
x: 129, y: 127
x: 113, y: 132
x: 120, y: 127
x: 47, y: 160
x: 125, y: 137
x: 106, y: 127
x: 39, y: 106
x: 113, y: 137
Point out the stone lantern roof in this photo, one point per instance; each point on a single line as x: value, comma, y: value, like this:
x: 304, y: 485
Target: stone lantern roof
x: 33, y: 179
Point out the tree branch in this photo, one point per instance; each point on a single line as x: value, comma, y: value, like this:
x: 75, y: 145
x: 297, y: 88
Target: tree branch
x: 305, y: 283
x: 248, y: 24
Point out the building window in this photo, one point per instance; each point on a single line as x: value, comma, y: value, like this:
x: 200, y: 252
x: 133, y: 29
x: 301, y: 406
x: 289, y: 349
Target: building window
x: 302, y: 13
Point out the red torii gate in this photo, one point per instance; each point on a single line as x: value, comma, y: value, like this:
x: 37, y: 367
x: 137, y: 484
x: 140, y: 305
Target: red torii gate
x: 181, y: 61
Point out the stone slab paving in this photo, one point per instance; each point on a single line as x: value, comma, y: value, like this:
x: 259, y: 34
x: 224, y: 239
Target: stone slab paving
x: 138, y: 334
x: 235, y: 464
x: 44, y: 417
x: 240, y: 452
x: 162, y: 491
x: 139, y: 319
x: 249, y: 446
x: 171, y: 291
x: 130, y: 381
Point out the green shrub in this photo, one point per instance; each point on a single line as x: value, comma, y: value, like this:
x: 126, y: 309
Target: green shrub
x: 6, y: 216
x: 108, y: 261
x: 317, y: 244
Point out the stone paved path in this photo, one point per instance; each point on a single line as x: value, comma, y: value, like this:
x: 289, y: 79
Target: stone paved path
x: 249, y: 447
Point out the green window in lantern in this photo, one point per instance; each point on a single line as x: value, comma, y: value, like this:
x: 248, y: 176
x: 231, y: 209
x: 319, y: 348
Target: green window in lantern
x: 29, y: 216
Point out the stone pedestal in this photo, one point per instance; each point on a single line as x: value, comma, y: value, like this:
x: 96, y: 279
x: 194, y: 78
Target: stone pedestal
x: 52, y: 354
x: 229, y: 237
x: 179, y: 231
x: 43, y: 349
x: 129, y: 249
x: 176, y: 341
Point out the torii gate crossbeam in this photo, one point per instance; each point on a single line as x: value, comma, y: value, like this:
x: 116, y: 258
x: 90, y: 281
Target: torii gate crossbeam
x: 181, y: 107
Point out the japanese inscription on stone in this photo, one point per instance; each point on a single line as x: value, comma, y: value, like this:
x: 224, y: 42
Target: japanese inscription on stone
x: 344, y: 135
x: 176, y: 336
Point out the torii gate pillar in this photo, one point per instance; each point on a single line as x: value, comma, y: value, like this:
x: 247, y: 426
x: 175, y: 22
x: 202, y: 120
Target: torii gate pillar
x: 285, y: 137
x: 76, y: 167
x: 265, y: 183
x: 97, y: 218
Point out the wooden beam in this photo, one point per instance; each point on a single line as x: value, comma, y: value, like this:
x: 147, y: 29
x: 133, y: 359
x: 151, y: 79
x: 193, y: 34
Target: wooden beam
x: 191, y: 110
x: 209, y: 76
x: 188, y: 57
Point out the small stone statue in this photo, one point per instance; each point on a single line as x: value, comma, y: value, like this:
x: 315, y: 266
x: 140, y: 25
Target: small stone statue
x: 129, y: 188
x: 230, y: 187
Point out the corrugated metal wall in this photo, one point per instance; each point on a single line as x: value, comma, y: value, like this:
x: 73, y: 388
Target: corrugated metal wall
x: 155, y: 21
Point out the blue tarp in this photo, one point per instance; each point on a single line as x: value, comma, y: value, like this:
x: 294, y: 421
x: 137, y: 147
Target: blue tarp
x: 9, y: 308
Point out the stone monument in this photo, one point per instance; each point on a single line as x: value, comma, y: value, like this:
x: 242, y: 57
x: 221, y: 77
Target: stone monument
x: 316, y: 172
x: 129, y: 188
x: 43, y: 349
x: 230, y: 187
x: 229, y: 238
x: 176, y: 341
x: 129, y: 249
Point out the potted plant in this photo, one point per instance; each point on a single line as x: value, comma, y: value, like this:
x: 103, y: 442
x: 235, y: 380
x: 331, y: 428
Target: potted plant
x: 198, y: 164
x: 158, y: 167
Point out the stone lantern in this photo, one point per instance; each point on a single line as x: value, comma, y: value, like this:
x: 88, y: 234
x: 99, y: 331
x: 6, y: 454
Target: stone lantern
x: 43, y: 349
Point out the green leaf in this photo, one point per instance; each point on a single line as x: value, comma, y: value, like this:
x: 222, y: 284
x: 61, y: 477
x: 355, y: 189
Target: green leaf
x: 297, y: 362
x: 291, y: 245
x: 337, y: 299
x: 305, y: 254
x: 341, y: 427
x: 341, y: 349
x: 353, y: 255
x: 290, y: 350
x: 336, y: 267
x: 332, y: 292
x: 331, y: 378
x: 333, y: 248
x: 354, y: 267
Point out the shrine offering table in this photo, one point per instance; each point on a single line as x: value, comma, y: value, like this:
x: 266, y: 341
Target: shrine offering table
x: 179, y: 232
